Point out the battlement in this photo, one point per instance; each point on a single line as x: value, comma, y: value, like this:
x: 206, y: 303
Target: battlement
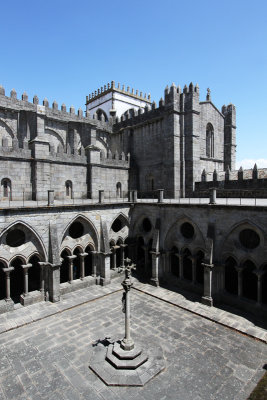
x: 110, y: 87
x: 24, y: 104
x: 247, y: 179
x: 115, y: 159
x: 14, y: 151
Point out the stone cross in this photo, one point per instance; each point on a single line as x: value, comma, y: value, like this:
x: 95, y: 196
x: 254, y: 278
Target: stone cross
x: 127, y: 343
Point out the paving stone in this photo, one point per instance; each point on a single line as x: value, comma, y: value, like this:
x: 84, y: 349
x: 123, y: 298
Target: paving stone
x: 204, y: 359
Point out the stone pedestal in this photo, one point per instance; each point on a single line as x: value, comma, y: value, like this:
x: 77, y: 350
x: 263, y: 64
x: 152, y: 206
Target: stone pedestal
x: 212, y: 196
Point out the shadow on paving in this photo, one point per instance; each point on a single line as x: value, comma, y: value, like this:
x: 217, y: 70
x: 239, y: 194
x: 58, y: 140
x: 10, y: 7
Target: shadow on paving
x: 49, y: 359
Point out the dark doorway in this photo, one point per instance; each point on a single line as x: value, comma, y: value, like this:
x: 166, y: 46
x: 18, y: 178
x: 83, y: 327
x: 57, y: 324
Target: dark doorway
x: 149, y: 259
x: 231, y: 276
x: 264, y: 285
x: 140, y: 262
x: 88, y: 262
x: 250, y: 281
x: 16, y: 280
x: 76, y: 264
x: 64, y: 268
x: 34, y: 274
x: 2, y: 282
x: 187, y: 265
x: 175, y: 263
x: 199, y: 267
x: 118, y: 255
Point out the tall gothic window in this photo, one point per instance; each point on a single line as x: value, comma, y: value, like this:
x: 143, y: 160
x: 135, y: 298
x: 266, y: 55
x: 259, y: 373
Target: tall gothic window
x: 6, y: 187
x: 118, y: 190
x: 209, y: 141
x: 68, y: 186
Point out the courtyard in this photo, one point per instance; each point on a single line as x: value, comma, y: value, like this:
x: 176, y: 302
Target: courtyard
x: 46, y: 353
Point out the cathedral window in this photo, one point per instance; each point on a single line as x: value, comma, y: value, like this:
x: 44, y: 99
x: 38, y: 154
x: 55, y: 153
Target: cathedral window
x: 209, y: 141
x: 118, y: 189
x: 68, y: 186
x: 6, y: 187
x: 101, y: 115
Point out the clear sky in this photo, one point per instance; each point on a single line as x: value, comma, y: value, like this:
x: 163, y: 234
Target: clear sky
x: 63, y: 50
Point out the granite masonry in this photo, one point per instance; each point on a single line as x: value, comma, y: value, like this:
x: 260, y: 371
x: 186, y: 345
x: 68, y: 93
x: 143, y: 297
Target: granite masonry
x: 78, y: 196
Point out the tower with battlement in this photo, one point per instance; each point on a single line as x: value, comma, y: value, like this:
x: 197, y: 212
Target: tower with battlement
x: 115, y: 101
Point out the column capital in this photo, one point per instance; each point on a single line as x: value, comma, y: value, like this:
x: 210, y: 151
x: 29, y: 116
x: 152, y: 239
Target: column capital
x: 259, y: 273
x: 26, y: 266
x: 209, y: 266
x: 156, y: 253
x: 124, y: 245
x: 9, y: 269
x: 71, y: 257
x: 83, y: 254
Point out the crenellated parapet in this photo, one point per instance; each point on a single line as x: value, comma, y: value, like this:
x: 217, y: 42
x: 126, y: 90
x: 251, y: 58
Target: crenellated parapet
x: 134, y: 93
x: 115, y: 159
x: 241, y: 179
x: 13, y: 149
x: 175, y: 99
x: 62, y: 113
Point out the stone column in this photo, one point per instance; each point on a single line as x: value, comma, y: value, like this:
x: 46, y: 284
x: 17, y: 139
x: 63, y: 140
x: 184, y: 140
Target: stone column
x: 42, y: 283
x: 240, y: 280
x: 82, y: 257
x: 71, y: 258
x: 94, y: 266
x: 26, y: 278
x: 259, y: 274
x: 54, y: 282
x: 145, y: 248
x: 123, y: 246
x: 194, y: 269
x: 160, y: 195
x: 7, y: 272
x: 155, y: 268
x: 207, y: 297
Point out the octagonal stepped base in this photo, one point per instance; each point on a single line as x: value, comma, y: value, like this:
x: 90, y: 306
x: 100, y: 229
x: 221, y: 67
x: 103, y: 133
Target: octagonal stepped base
x: 117, y: 367
x: 125, y: 361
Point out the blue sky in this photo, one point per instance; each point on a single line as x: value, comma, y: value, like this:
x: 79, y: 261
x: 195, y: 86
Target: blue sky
x: 63, y: 50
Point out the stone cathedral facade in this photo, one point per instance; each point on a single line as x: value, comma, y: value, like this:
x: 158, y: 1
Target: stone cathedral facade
x: 78, y: 195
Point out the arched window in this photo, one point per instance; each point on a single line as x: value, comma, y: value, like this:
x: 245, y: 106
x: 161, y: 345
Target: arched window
x: 118, y: 189
x: 6, y: 187
x: 101, y: 115
x: 209, y: 141
x: 68, y: 186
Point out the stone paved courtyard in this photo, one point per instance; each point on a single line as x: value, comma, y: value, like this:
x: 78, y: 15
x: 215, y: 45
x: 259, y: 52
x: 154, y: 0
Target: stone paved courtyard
x: 49, y: 359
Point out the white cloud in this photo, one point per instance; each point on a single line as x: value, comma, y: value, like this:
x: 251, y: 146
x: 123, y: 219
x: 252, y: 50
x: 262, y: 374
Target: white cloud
x: 249, y: 163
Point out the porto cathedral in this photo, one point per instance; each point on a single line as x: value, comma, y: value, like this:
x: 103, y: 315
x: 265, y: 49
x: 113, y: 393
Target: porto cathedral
x: 83, y: 190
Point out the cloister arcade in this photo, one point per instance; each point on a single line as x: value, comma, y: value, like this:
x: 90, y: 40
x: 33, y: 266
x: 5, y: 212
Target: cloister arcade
x: 175, y: 254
